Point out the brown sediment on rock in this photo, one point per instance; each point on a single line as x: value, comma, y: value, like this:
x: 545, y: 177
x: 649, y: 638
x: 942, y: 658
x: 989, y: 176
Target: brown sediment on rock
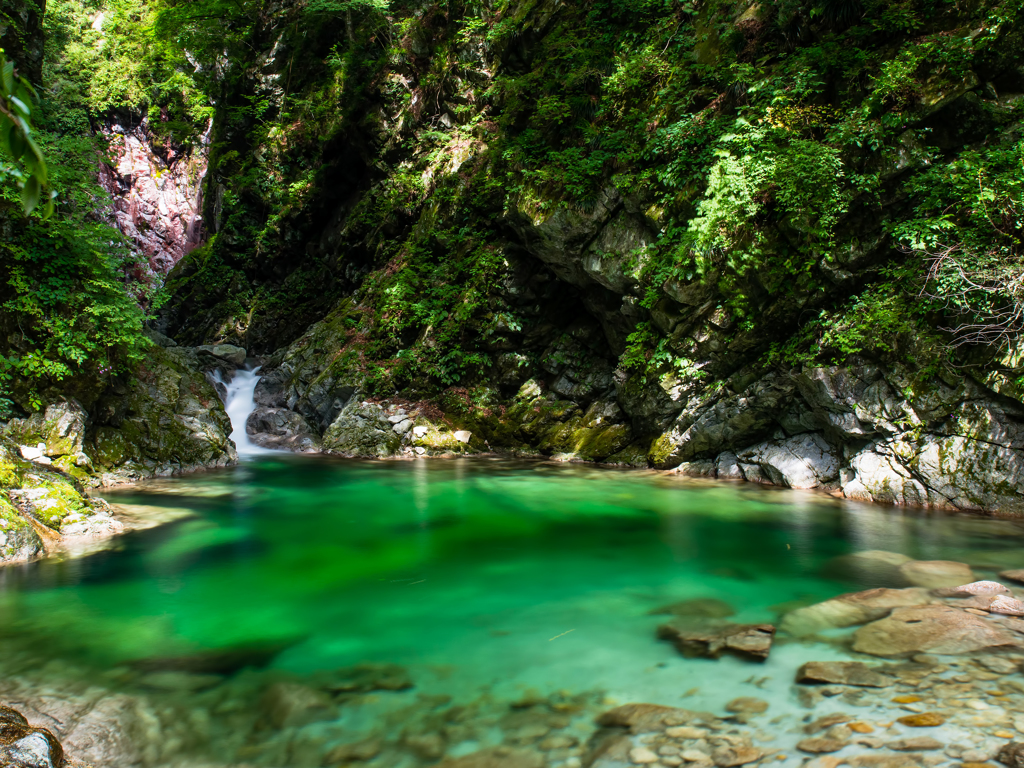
x: 843, y: 673
x: 930, y: 629
x: 711, y: 639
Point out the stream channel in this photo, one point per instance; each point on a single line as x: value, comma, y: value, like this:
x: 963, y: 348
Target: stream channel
x: 426, y: 608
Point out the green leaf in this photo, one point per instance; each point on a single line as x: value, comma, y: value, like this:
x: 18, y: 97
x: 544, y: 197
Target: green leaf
x: 30, y: 194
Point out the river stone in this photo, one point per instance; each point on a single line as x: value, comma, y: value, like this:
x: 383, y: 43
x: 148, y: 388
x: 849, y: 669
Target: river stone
x: 936, y: 573
x: 974, y: 588
x: 747, y: 705
x: 850, y: 610
x: 1009, y: 606
x: 875, y: 567
x: 281, y: 429
x: 929, y: 629
x: 363, y: 678
x: 216, y: 661
x: 1013, y: 575
x: 922, y: 720
x: 37, y: 749
x: 231, y: 353
x: 705, y: 607
x: 842, y: 673
x: 820, y: 744
x: 642, y: 756
x: 462, y: 435
x: 739, y: 754
x: 361, y: 430
x: 496, y: 757
x: 713, y: 638
x: 361, y: 751
x: 915, y: 744
x: 1012, y: 754
x: 645, y: 718
x: 286, y: 705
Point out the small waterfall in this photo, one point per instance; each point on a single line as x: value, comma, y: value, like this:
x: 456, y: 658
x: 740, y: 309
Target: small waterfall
x: 239, y: 403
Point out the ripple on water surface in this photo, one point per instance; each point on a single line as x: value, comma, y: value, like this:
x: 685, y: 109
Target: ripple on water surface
x: 480, y: 578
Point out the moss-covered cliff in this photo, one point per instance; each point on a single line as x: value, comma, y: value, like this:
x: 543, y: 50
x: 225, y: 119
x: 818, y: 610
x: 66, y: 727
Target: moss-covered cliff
x: 770, y: 241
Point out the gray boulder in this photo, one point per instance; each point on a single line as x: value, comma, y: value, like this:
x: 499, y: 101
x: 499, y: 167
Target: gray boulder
x: 361, y: 430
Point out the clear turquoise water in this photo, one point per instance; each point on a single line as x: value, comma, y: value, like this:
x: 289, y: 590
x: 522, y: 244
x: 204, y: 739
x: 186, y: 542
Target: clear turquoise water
x: 474, y: 573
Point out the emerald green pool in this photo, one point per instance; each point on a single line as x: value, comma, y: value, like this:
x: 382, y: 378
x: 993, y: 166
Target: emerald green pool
x: 474, y: 574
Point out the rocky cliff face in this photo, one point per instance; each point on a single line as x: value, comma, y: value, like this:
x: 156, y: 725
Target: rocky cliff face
x: 157, y: 196
x: 410, y: 270
x: 165, y: 419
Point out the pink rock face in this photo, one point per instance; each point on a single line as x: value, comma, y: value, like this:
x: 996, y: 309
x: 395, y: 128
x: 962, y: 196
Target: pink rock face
x: 156, y: 197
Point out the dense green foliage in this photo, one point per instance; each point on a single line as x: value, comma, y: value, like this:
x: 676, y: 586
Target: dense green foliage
x: 837, y: 178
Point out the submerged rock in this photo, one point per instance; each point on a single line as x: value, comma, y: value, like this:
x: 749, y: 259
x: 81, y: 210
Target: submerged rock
x: 23, y: 746
x: 712, y: 638
x: 974, y: 588
x: 929, y: 629
x: 281, y: 429
x: 875, y: 567
x: 216, y: 661
x: 850, y: 610
x: 1009, y: 606
x: 496, y: 757
x: 364, y: 678
x: 1013, y: 575
x: 936, y: 573
x: 842, y: 673
x: 644, y: 718
x: 706, y: 607
x: 286, y: 705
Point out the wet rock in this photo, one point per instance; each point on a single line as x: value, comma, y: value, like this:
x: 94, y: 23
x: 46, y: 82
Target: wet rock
x: 932, y: 628
x: 558, y: 741
x: 1000, y: 665
x: 232, y: 354
x: 922, y: 720
x: 842, y: 673
x: 820, y: 744
x: 876, y: 567
x: 1013, y: 575
x: 802, y: 461
x: 361, y: 430
x: 108, y: 733
x: 496, y: 757
x: 695, y: 756
x: 915, y: 744
x: 686, y: 732
x: 936, y: 573
x: 704, y: 607
x: 22, y: 746
x: 984, y: 588
x: 281, y: 429
x: 1009, y: 606
x: 850, y: 610
x: 285, y: 705
x: 827, y: 721
x: 645, y: 718
x: 740, y: 754
x: 168, y: 420
x: 363, y: 678
x: 642, y: 756
x: 37, y: 749
x: 357, y: 751
x: 712, y: 639
x: 884, y: 761
x: 747, y: 705
x: 180, y: 681
x: 1012, y: 755
x: 217, y: 661
x: 426, y: 746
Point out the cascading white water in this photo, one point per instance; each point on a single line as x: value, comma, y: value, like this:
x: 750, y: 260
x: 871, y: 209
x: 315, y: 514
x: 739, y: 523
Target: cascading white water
x: 239, y: 402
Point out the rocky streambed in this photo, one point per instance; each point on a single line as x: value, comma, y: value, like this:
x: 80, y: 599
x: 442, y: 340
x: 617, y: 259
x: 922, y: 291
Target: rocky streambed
x: 930, y: 674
